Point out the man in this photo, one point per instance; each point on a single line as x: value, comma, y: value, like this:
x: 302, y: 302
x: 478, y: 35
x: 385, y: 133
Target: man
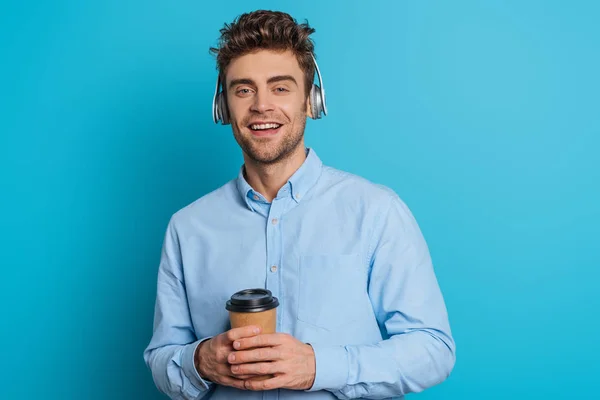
x: 361, y: 314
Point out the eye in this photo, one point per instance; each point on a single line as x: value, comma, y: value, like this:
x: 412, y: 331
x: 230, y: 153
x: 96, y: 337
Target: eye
x: 281, y: 89
x: 243, y: 91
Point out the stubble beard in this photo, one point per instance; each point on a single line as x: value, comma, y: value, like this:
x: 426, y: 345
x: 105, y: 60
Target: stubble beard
x: 262, y: 152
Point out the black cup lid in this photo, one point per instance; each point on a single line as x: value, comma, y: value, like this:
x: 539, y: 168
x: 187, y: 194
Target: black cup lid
x: 252, y: 300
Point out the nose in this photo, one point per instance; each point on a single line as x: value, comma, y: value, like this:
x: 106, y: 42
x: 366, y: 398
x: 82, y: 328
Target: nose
x: 262, y: 102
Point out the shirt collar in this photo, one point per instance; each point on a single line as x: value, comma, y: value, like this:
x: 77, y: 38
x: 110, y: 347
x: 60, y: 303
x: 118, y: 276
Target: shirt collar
x: 306, y: 176
x: 300, y: 182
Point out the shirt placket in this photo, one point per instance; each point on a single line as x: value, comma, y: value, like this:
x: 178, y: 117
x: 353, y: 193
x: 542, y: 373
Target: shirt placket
x: 274, y: 257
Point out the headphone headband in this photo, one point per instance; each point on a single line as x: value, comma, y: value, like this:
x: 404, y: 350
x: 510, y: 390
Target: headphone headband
x: 317, y: 100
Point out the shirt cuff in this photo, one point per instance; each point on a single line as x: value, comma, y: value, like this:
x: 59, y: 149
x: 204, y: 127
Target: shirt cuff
x: 189, y: 366
x: 331, y: 367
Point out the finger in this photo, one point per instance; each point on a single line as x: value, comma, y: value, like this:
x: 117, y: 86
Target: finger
x: 262, y: 368
x: 254, y: 355
x: 269, y: 339
x: 225, y: 369
x: 242, y: 332
x: 243, y: 377
x: 233, y: 382
x: 267, y: 384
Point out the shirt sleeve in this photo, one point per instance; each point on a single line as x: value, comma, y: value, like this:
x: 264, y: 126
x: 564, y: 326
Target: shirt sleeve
x: 417, y: 350
x: 170, y: 353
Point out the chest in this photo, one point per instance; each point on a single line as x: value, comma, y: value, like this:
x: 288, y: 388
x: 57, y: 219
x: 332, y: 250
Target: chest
x: 315, y: 261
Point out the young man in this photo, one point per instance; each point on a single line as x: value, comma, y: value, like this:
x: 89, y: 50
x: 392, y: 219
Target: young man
x: 361, y: 314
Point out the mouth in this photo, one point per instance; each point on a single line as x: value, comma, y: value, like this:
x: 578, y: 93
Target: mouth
x: 264, y: 128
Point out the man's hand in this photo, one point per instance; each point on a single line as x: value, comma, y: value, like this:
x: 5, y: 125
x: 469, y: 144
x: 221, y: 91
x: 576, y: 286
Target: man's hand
x: 211, y: 357
x: 290, y: 361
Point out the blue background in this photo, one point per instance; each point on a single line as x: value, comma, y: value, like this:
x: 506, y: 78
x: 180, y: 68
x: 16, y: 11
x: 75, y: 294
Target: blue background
x: 483, y: 116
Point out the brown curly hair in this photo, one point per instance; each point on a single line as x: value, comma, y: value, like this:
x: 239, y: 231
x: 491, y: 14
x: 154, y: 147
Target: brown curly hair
x: 268, y: 30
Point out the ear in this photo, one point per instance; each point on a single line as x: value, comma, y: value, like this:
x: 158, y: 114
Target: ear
x: 308, y: 107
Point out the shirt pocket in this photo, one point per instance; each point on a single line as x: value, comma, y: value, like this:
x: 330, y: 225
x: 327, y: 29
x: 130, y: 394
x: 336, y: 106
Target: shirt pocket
x: 331, y: 291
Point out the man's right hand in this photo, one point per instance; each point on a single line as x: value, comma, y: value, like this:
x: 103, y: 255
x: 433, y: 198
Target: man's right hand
x: 211, y: 357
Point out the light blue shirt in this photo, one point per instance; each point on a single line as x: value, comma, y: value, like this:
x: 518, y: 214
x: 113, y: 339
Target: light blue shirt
x: 351, y: 270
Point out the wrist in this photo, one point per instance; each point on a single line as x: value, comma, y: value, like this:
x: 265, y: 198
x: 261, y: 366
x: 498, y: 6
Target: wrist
x: 199, y: 358
x: 312, y: 364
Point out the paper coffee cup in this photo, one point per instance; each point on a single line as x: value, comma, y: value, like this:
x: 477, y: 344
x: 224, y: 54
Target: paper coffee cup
x: 254, y: 307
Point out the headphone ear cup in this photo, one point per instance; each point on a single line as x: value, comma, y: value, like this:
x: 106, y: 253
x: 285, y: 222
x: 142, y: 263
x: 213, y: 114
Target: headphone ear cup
x: 316, y: 103
x: 222, y: 111
x: 215, y: 108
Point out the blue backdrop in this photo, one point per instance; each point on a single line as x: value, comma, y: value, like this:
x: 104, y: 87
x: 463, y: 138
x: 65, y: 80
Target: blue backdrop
x: 483, y: 116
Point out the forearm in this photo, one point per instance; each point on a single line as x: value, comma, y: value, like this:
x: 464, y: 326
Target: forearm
x: 405, y: 363
x: 418, y: 350
x: 174, y: 371
x: 170, y: 354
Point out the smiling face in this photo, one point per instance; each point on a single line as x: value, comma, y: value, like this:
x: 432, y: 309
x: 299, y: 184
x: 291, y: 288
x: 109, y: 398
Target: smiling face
x: 267, y: 104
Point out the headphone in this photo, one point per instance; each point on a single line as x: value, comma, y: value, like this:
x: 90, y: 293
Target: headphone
x: 317, y: 100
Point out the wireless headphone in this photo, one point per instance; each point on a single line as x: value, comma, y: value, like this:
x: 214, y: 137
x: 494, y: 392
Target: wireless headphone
x: 317, y: 100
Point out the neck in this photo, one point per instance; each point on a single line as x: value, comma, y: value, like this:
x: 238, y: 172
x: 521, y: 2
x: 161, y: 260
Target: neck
x: 267, y: 179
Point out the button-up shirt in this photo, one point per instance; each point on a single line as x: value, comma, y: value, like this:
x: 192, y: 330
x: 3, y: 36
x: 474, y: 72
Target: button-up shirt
x: 348, y: 263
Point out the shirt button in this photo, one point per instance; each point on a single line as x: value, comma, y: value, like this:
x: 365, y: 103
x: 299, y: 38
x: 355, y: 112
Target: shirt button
x: 274, y: 221
x: 298, y: 196
x: 273, y: 268
x: 255, y: 197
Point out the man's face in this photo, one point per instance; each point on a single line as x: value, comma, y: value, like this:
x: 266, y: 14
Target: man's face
x: 267, y: 104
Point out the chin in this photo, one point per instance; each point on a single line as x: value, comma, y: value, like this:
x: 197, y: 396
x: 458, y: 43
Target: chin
x: 265, y: 157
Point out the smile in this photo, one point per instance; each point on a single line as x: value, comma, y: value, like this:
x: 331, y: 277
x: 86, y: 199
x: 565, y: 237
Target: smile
x: 261, y: 127
x: 264, y: 129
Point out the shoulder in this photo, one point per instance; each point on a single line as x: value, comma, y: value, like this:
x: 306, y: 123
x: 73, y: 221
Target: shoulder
x: 354, y: 186
x: 360, y: 196
x: 205, y: 208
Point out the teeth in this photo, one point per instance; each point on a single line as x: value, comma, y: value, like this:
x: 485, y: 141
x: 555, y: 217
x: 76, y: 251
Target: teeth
x: 257, y: 127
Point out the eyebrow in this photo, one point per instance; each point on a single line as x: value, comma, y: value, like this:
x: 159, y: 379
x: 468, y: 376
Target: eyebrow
x: 273, y: 79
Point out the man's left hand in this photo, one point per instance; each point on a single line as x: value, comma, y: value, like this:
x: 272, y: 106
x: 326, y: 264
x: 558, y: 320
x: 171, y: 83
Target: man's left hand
x: 291, y: 362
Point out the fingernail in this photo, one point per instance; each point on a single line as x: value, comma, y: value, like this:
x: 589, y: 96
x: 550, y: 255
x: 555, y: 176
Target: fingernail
x: 235, y: 368
x: 232, y: 357
x: 236, y: 345
x: 256, y: 330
